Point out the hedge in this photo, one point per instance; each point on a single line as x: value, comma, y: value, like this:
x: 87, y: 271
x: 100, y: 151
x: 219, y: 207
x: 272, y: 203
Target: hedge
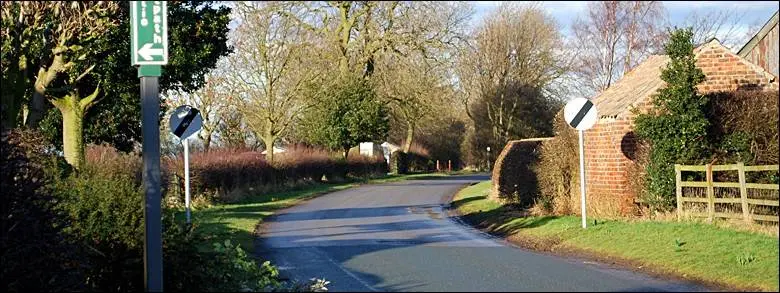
x: 514, y: 178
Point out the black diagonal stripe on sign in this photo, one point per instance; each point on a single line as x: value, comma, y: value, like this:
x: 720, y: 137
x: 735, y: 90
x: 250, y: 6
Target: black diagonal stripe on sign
x: 185, y: 122
x: 581, y: 114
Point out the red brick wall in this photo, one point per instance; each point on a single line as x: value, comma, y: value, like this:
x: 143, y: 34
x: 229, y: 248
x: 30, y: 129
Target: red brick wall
x: 609, y: 145
x: 726, y: 71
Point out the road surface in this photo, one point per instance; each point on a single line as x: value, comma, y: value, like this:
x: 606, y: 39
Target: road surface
x: 397, y: 237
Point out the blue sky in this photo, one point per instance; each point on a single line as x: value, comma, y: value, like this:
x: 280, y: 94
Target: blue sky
x: 754, y: 12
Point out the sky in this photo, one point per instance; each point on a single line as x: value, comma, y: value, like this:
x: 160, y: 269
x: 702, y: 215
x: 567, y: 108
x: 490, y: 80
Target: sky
x: 564, y: 12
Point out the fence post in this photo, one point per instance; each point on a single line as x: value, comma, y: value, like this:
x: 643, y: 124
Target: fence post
x: 678, y: 185
x: 743, y: 191
x: 710, y: 194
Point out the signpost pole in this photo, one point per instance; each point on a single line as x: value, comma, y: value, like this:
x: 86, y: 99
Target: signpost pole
x: 187, y: 177
x: 148, y: 51
x: 582, y: 177
x: 150, y: 109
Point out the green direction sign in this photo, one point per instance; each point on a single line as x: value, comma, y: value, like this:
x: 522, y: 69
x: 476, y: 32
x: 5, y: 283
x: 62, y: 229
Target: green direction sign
x: 149, y: 32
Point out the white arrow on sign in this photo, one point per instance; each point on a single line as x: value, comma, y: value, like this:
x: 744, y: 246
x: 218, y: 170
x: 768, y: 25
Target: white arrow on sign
x: 147, y: 51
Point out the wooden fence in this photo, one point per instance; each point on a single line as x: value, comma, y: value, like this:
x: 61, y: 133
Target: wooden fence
x: 743, y: 200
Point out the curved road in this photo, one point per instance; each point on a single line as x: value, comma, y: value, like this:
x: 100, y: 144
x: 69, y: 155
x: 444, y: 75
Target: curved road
x: 397, y: 237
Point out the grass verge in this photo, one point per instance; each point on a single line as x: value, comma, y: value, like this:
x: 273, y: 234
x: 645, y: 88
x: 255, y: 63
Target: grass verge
x: 237, y: 221
x: 695, y: 251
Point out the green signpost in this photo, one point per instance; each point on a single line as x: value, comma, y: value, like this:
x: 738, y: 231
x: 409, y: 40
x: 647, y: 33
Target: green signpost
x: 149, y: 50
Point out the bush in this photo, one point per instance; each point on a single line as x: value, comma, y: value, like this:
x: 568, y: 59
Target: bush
x: 744, y: 126
x: 514, y: 177
x: 36, y: 255
x: 366, y: 167
x: 420, y: 163
x: 558, y: 169
x: 404, y: 163
x: 399, y: 163
x: 216, y: 173
x: 300, y: 163
x: 224, y: 268
x: 676, y: 127
x: 105, y: 207
x: 224, y: 175
x: 104, y: 202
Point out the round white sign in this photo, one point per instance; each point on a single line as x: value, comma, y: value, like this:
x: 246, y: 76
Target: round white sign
x: 580, y: 114
x: 185, y: 121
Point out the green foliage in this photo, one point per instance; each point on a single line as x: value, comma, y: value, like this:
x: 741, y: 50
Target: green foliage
x: 104, y: 205
x: 18, y: 55
x: 197, y: 36
x: 106, y: 214
x: 36, y: 255
x: 224, y: 268
x: 677, y: 127
x: 347, y: 114
x: 678, y: 244
x: 746, y: 258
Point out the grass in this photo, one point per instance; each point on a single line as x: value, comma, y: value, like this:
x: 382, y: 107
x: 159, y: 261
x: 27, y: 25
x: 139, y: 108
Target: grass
x: 697, y: 251
x: 237, y: 221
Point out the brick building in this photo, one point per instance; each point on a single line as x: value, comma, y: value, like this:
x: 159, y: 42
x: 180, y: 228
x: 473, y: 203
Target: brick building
x: 610, y: 146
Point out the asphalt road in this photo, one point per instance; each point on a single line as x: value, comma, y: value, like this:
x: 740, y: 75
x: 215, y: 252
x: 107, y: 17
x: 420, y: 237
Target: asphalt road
x: 397, y: 237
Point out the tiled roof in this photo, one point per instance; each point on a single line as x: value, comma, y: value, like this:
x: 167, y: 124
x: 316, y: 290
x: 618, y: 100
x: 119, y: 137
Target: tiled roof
x: 635, y: 86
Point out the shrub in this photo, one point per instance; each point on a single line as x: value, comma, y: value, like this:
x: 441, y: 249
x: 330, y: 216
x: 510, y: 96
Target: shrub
x: 36, y: 255
x: 420, y: 163
x: 558, y: 168
x: 743, y: 126
x: 105, y: 208
x: 676, y: 128
x: 399, y: 163
x: 215, y: 173
x: 300, y: 163
x: 224, y: 268
x: 514, y: 177
x: 366, y: 167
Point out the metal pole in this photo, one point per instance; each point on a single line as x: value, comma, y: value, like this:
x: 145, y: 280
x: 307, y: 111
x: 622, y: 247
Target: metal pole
x: 150, y: 115
x: 187, y: 177
x: 582, y: 178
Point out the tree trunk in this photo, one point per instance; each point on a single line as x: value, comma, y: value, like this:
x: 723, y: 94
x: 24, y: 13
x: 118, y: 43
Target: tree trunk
x: 36, y: 110
x: 409, y: 137
x: 346, y: 152
x: 268, y: 140
x: 206, y: 139
x: 72, y: 131
x: 73, y: 108
x: 42, y: 81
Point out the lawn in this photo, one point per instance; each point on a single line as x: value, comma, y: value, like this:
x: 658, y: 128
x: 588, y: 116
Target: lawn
x: 697, y: 251
x: 237, y: 221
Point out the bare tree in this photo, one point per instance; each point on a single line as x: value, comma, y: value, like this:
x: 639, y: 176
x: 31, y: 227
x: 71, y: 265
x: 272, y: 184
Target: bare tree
x: 212, y: 100
x: 514, y: 57
x: 357, y: 33
x: 711, y: 23
x: 412, y: 90
x: 268, y: 70
x: 613, y: 37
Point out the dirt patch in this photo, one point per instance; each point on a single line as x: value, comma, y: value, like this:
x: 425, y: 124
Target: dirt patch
x: 547, y: 244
